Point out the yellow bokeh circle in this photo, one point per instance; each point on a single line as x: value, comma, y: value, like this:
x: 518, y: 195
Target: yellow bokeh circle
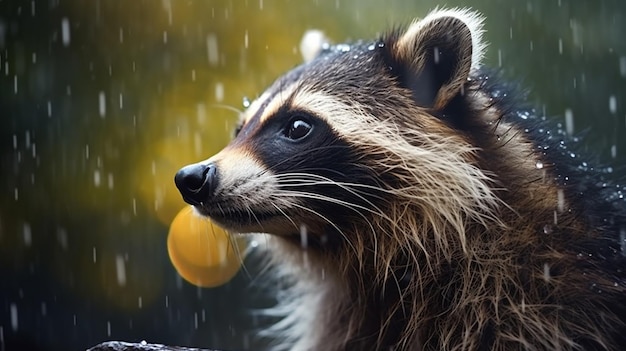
x: 203, y: 253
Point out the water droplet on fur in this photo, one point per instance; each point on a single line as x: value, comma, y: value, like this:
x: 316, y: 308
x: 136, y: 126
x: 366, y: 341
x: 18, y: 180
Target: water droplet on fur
x: 539, y: 165
x: 371, y: 47
x: 246, y: 102
x: 343, y: 47
x: 547, y: 229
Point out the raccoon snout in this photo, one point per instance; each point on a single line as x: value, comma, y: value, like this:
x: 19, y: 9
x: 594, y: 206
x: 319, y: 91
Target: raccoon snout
x: 196, y: 182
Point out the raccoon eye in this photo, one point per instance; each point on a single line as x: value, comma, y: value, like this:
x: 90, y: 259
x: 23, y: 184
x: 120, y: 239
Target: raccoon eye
x: 297, y: 129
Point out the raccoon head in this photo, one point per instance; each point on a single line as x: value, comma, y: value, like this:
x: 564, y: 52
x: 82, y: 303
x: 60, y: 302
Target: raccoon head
x: 352, y: 137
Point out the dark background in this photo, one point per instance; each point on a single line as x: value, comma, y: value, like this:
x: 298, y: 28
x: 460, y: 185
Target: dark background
x: 102, y: 101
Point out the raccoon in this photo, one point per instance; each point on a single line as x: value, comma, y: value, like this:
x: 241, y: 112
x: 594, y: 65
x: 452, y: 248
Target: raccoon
x: 415, y: 202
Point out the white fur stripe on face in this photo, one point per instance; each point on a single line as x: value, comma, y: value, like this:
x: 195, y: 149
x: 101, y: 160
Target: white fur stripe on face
x: 254, y: 107
x: 268, y: 103
x: 346, y: 119
x: 237, y: 164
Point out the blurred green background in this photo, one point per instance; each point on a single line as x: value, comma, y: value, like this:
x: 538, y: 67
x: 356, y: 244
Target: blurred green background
x: 102, y: 101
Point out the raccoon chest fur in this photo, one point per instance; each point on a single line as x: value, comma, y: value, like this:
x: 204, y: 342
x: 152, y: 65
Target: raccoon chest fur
x: 411, y: 205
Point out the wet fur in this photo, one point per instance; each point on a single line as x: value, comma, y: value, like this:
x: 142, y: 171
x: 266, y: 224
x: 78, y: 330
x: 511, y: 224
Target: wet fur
x: 459, y: 220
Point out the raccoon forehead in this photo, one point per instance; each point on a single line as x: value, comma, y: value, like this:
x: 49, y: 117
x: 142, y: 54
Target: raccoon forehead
x: 341, y: 71
x: 341, y: 110
x: 356, y: 118
x: 268, y: 104
x: 274, y: 97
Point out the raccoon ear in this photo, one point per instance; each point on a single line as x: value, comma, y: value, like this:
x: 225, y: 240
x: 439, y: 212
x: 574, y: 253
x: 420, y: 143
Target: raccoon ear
x: 434, y: 56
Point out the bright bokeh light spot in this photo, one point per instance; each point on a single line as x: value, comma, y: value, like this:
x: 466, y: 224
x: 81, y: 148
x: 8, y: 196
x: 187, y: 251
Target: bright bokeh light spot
x: 203, y: 253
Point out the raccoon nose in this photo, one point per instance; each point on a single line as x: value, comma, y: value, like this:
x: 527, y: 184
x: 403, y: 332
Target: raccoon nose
x: 196, y: 182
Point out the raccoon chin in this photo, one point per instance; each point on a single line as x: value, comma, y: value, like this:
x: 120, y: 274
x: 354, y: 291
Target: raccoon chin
x: 237, y: 220
x: 252, y: 221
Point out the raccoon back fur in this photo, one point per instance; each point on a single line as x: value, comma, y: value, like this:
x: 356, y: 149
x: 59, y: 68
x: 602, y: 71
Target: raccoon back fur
x: 416, y: 204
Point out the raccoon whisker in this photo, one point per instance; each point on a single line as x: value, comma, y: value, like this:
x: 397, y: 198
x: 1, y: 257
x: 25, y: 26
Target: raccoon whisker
x: 252, y: 215
x: 336, y: 227
x: 348, y: 187
x: 303, y: 167
x: 303, y: 160
x: 284, y: 214
x: 314, y: 177
x: 221, y: 209
x: 301, y: 180
x: 227, y: 107
x: 508, y: 136
x: 351, y: 206
x: 381, y: 215
x: 345, y: 186
x: 237, y: 250
x: 345, y: 204
x: 329, y: 199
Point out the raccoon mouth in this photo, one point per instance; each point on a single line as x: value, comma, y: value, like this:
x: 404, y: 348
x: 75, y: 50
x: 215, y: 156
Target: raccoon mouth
x: 234, y: 217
